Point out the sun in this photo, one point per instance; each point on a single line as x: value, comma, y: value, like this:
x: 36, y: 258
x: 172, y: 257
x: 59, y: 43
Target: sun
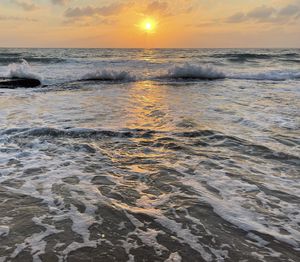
x: 148, y: 25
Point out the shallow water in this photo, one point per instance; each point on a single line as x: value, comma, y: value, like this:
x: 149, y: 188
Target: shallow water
x: 163, y: 165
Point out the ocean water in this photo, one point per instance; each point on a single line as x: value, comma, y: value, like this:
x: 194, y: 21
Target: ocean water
x: 150, y: 155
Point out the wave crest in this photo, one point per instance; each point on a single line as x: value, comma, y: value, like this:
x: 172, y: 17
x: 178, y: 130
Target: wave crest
x: 108, y: 75
x: 190, y: 71
x: 22, y: 70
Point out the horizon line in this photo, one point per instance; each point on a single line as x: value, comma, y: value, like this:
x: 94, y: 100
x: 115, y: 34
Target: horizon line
x: 20, y: 47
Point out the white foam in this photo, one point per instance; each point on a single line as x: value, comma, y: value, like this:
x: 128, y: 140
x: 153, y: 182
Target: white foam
x: 148, y: 237
x: 4, y: 230
x: 36, y: 242
x: 259, y: 241
x: 22, y: 70
x: 108, y: 75
x: 235, y: 208
x: 174, y: 257
x: 190, y: 71
x: 184, y: 235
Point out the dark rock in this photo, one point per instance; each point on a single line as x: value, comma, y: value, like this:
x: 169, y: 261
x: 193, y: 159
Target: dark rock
x: 18, y: 82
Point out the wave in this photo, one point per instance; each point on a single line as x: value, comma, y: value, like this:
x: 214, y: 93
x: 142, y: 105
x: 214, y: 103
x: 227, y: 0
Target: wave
x: 198, y: 72
x: 108, y: 75
x: 291, y: 54
x: 190, y: 71
x: 296, y: 61
x: 254, y: 56
x: 241, y: 145
x: 40, y: 60
x: 268, y: 76
x: 21, y: 70
x: 8, y: 60
x: 209, y: 137
x: 44, y: 60
x: 184, y: 72
x: 5, y: 54
x: 75, y: 132
x: 251, y: 56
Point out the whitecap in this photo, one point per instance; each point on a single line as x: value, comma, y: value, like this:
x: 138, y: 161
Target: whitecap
x: 190, y: 71
x: 108, y: 75
x: 22, y: 70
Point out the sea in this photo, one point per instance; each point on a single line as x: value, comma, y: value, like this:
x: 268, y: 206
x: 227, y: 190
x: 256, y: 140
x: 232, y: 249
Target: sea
x: 150, y: 155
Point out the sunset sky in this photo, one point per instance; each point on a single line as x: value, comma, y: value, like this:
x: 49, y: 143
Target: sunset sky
x: 174, y: 23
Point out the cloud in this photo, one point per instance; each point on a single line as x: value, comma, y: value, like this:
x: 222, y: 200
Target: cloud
x: 237, y: 18
x: 267, y: 14
x: 60, y: 2
x: 157, y: 6
x: 166, y: 8
x: 289, y: 10
x: 16, y: 18
x: 108, y: 10
x: 261, y: 12
x: 25, y: 5
x: 205, y: 24
x: 86, y: 22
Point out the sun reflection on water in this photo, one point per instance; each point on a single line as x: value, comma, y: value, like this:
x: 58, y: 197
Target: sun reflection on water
x: 148, y: 107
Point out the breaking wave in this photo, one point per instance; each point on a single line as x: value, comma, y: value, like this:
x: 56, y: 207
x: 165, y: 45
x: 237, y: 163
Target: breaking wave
x: 108, y: 75
x: 184, y: 72
x: 22, y: 70
x: 208, y: 72
x: 189, y: 71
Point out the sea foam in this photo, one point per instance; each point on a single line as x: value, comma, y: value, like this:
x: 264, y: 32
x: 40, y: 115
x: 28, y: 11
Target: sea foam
x: 22, y: 70
x: 108, y: 75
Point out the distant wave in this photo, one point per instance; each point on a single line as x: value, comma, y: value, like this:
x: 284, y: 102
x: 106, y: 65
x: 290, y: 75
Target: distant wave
x: 190, y: 71
x: 8, y: 60
x: 21, y: 70
x: 44, y: 60
x: 108, y: 75
x: 6, y: 54
x: 296, y: 61
x: 244, y: 57
x: 291, y: 54
x: 14, y: 58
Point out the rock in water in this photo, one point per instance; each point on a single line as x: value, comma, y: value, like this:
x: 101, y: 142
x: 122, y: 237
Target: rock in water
x: 19, y: 82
